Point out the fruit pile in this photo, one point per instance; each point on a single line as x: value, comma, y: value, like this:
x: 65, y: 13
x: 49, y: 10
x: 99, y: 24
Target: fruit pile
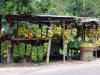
x: 74, y: 32
x: 86, y: 45
x: 67, y: 36
x: 3, y: 48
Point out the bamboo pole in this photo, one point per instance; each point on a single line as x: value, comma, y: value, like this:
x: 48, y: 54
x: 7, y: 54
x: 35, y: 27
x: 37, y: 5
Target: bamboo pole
x: 63, y: 41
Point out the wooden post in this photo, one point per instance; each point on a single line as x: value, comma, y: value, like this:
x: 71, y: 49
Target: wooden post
x: 8, y: 51
x: 63, y: 41
x: 49, y: 45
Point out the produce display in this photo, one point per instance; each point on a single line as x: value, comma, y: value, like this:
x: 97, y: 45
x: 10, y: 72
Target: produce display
x: 67, y: 36
x: 86, y: 45
x: 15, y: 51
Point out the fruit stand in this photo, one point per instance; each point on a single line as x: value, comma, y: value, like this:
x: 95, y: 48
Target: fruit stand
x: 33, y: 39
x: 90, y: 30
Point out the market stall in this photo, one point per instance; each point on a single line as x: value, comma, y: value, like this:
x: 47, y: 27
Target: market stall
x: 20, y: 41
x: 90, y: 35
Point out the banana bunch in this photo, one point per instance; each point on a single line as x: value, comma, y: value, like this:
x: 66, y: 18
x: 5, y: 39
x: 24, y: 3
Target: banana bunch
x: 21, y: 49
x: 3, y: 48
x: 34, y: 54
x: 44, y: 33
x: 40, y: 53
x: 45, y: 48
x: 74, y: 32
x: 15, y: 51
x: 37, y: 33
x: 90, y: 33
x: 67, y: 36
x: 86, y: 45
x: 28, y: 49
x: 59, y: 31
x: 25, y: 32
x: 55, y: 30
x: 50, y: 33
x: 20, y: 32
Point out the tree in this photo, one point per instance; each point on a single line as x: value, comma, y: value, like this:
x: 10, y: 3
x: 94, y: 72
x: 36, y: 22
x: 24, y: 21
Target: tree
x: 75, y: 7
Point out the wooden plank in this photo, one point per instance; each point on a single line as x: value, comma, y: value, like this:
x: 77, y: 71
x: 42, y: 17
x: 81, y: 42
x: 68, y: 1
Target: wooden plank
x: 63, y: 41
x: 16, y: 39
x: 49, y: 45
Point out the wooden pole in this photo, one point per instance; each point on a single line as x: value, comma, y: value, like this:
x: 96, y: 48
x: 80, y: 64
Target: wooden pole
x: 49, y: 45
x: 63, y: 41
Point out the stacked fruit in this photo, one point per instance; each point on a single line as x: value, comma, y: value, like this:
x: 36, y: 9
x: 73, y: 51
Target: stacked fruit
x: 15, y: 51
x: 21, y: 50
x: 28, y: 49
x: 67, y: 36
x: 74, y: 32
x: 44, y: 33
x: 86, y: 45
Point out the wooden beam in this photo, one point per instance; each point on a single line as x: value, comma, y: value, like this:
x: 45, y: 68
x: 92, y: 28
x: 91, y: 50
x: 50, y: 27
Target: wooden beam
x: 63, y: 41
x: 49, y: 44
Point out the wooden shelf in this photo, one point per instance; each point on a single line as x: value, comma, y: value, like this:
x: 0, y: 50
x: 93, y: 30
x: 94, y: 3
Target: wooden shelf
x: 16, y: 39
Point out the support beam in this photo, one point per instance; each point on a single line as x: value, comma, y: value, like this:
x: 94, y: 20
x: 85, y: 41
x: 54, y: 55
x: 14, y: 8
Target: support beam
x: 63, y: 41
x: 49, y: 45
